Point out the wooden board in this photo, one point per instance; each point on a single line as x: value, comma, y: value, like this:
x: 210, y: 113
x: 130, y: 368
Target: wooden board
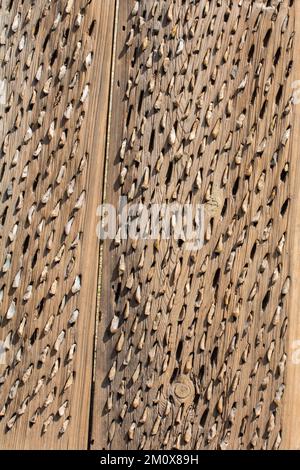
x: 57, y: 414
x: 164, y: 102
x: 192, y: 347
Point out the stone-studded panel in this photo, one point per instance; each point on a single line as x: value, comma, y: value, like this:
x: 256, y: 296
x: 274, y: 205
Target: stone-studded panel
x: 55, y: 68
x: 192, y: 345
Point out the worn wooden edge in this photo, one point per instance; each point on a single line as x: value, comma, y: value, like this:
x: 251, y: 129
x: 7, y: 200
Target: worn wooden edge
x: 291, y: 409
x: 94, y: 143
x: 99, y: 362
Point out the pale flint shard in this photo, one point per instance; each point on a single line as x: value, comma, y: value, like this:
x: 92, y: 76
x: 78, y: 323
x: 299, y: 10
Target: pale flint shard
x: 3, y: 89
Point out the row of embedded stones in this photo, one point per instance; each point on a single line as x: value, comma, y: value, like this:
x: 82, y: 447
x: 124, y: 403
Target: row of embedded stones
x: 139, y: 304
x: 33, y: 308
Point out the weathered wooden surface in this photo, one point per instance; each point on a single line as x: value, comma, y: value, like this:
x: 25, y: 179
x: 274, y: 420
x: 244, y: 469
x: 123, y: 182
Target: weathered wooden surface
x: 53, y: 140
x: 192, y: 348
x: 187, y: 101
x: 291, y: 423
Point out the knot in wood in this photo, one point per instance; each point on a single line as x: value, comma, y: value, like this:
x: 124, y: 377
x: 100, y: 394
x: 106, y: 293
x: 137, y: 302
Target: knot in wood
x: 184, y: 390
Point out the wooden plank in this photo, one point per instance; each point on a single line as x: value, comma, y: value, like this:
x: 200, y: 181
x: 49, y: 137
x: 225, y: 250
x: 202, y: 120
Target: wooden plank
x: 99, y: 421
x: 179, y: 101
x: 192, y: 347
x: 72, y: 43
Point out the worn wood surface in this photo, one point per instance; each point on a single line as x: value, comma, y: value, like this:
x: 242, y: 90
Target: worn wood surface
x: 161, y: 101
x: 193, y: 347
x: 51, y: 196
x: 291, y: 423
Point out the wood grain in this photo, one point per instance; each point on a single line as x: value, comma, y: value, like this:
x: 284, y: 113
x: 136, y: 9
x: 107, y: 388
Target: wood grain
x: 144, y: 344
x: 291, y: 438
x: 63, y: 186
x: 192, y: 348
